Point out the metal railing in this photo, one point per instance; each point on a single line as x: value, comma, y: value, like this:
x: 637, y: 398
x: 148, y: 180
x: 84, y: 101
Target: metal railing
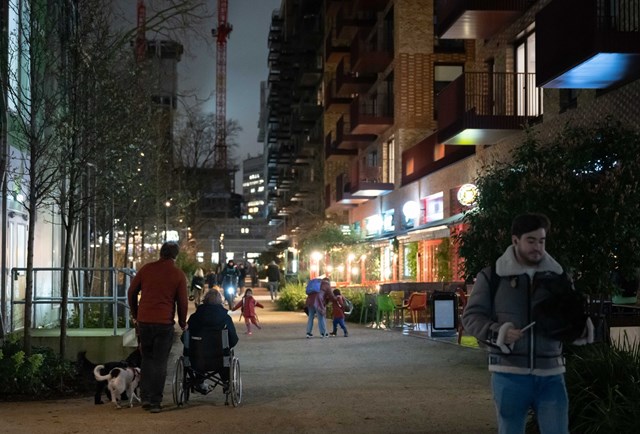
x: 87, y: 286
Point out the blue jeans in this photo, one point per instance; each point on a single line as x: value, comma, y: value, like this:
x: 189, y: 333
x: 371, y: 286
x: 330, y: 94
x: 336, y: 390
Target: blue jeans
x: 155, y: 345
x: 273, y: 290
x: 515, y: 394
x: 339, y: 322
x: 321, y: 324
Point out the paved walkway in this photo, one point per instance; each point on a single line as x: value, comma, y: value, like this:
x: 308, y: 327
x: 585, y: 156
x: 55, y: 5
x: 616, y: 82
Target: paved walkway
x: 374, y: 381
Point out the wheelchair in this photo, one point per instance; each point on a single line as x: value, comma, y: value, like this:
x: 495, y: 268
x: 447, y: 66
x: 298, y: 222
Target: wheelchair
x: 207, y: 360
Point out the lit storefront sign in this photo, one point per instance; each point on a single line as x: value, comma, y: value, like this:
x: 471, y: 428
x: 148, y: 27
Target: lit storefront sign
x: 434, y: 207
x: 467, y: 194
x: 373, y: 224
x: 387, y: 222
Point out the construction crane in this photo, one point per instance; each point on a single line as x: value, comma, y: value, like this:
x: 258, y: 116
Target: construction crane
x: 221, y: 33
x: 141, y: 37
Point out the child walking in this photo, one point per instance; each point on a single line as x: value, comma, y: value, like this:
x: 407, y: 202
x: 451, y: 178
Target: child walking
x: 248, y: 309
x: 338, y: 314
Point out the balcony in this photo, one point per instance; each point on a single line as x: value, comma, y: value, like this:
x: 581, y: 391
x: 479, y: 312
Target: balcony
x: 371, y: 115
x: 368, y: 57
x: 476, y: 19
x: 334, y: 52
x: 481, y: 108
x: 347, y: 23
x: 587, y: 44
x: 332, y: 152
x: 368, y: 182
x: 343, y: 192
x: 420, y: 160
x: 346, y: 140
x: 333, y: 103
x: 331, y: 202
x: 349, y: 83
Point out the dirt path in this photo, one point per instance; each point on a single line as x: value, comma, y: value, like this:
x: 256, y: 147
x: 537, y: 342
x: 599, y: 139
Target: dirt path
x: 374, y: 381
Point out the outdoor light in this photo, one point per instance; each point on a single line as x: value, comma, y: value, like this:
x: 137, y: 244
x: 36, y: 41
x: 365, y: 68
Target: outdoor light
x: 467, y: 194
x: 316, y: 256
x: 411, y: 210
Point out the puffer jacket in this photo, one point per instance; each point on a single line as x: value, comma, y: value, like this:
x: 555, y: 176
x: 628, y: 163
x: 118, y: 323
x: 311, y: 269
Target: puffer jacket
x: 512, y: 303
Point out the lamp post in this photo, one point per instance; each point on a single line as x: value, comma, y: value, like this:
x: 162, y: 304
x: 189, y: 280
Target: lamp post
x: 167, y: 204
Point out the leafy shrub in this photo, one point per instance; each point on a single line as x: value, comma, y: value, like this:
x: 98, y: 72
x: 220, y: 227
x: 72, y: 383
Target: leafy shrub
x: 95, y: 315
x: 603, y: 382
x: 292, y: 297
x: 41, y: 375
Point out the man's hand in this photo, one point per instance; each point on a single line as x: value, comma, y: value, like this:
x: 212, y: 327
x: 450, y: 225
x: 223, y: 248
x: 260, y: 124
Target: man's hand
x: 512, y: 336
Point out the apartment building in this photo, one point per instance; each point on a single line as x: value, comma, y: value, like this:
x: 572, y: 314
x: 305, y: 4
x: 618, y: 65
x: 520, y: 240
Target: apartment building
x: 419, y: 95
x: 293, y: 137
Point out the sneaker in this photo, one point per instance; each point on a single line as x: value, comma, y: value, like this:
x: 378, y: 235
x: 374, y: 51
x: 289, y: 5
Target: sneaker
x: 155, y: 408
x: 249, y: 333
x: 201, y: 388
x: 346, y: 335
x: 332, y: 334
x: 326, y: 335
x: 309, y: 335
x: 146, y: 405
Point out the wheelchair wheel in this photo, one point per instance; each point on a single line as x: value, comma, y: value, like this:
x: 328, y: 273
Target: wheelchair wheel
x: 235, y: 383
x: 179, y: 386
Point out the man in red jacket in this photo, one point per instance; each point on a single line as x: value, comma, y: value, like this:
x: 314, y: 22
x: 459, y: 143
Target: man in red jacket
x: 161, y: 286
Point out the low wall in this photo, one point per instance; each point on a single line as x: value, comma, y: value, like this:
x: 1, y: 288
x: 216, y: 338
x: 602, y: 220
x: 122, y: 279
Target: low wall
x: 99, y: 344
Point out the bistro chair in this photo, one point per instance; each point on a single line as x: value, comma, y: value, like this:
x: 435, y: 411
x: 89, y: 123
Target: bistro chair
x: 400, y: 306
x: 369, y: 307
x: 385, y: 308
x: 417, y: 303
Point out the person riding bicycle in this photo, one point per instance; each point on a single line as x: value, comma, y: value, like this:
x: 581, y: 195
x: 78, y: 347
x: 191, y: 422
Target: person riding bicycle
x: 229, y: 281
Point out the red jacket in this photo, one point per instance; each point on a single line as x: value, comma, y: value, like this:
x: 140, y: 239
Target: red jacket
x: 248, y: 305
x: 338, y: 307
x: 162, y: 286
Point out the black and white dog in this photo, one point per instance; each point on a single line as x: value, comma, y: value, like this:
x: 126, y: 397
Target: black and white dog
x: 119, y: 381
x: 86, y: 369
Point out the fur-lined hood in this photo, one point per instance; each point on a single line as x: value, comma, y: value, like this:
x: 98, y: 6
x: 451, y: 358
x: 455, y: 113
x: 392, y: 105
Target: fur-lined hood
x: 507, y: 265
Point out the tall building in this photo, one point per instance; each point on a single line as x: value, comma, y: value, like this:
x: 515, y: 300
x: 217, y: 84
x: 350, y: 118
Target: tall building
x: 253, y: 188
x: 293, y: 139
x: 419, y: 95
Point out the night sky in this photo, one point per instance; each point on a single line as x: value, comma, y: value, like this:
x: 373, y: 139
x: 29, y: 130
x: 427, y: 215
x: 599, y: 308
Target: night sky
x: 247, y: 52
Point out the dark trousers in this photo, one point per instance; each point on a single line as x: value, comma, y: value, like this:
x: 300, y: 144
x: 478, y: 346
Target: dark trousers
x: 155, y: 344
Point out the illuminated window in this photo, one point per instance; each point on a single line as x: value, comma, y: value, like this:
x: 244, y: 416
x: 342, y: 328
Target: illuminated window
x: 409, y: 166
x: 438, y: 151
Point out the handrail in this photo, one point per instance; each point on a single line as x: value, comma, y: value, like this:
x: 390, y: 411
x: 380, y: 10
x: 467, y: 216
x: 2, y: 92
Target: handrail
x: 82, y: 278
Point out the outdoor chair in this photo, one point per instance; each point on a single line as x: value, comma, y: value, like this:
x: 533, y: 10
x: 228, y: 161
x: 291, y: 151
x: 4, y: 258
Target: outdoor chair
x: 417, y: 303
x: 369, y: 308
x: 385, y: 307
x: 400, y: 306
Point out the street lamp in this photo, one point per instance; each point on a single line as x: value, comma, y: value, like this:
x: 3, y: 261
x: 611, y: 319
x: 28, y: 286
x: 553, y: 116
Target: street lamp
x: 167, y: 204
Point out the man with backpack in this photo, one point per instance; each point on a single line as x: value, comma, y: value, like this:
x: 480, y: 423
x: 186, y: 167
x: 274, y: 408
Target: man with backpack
x: 318, y: 295
x: 525, y: 354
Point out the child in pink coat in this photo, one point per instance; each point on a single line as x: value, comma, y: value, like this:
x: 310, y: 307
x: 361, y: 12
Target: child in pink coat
x: 248, y: 309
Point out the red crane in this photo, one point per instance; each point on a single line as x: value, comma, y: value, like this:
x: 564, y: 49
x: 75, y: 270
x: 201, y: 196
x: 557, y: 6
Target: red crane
x: 141, y: 38
x: 221, y: 33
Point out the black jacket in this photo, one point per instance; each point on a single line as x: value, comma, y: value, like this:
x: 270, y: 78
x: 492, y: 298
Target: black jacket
x: 214, y: 316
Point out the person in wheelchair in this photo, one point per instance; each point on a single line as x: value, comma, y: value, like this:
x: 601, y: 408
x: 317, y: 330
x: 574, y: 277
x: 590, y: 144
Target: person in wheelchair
x: 211, y: 316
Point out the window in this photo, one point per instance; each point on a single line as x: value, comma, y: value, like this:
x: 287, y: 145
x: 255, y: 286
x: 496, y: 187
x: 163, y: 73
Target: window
x: 443, y: 75
x: 529, y: 99
x: 438, y: 151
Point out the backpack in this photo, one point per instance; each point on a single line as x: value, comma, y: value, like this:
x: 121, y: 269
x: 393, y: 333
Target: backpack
x: 559, y: 310
x: 347, y: 305
x: 313, y: 286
